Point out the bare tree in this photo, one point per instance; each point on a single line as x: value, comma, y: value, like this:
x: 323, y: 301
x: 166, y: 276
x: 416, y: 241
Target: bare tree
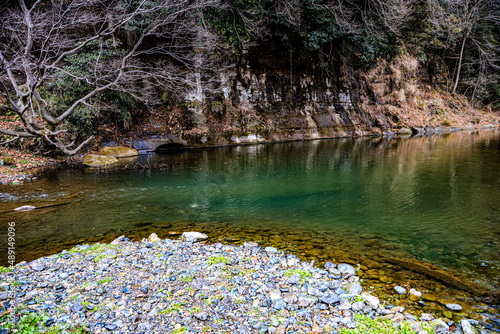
x: 355, y: 16
x: 127, y: 46
x: 460, y: 22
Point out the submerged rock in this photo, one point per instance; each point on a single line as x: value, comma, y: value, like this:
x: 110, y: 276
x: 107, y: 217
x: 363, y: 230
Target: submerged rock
x: 346, y: 270
x: 93, y: 160
x: 454, y: 307
x: 400, y: 290
x: 25, y: 208
x: 194, y: 235
x: 445, y: 276
x: 415, y: 295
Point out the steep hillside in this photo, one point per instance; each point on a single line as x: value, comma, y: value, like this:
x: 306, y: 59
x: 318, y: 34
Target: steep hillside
x: 258, y: 103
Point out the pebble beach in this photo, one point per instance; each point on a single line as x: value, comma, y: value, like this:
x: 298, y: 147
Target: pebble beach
x: 190, y: 286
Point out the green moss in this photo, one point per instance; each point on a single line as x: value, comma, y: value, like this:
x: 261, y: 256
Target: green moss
x: 303, y: 273
x: 218, y: 259
x: 119, y: 152
x: 104, y: 280
x: 32, y: 323
x: 367, y: 325
x: 5, y: 269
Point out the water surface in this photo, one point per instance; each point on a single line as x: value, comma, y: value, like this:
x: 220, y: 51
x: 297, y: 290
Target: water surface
x: 434, y: 199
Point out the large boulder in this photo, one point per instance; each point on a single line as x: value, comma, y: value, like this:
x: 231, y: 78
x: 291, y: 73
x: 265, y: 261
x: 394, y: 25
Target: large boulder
x: 404, y: 132
x: 93, y: 160
x: 119, y: 152
x: 8, y: 160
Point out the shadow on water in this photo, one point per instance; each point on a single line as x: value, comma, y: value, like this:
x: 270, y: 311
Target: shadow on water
x: 393, y: 206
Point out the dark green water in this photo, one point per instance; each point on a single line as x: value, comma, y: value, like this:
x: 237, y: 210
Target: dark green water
x: 434, y: 199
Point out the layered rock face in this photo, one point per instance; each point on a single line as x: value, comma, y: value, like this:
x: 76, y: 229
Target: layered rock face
x: 253, y: 103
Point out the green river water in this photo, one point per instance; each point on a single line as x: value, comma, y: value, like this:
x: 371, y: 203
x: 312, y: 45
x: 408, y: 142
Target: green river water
x: 434, y: 199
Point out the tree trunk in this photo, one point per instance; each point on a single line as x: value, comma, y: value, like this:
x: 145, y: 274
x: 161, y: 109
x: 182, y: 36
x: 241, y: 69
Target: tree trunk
x: 459, y: 64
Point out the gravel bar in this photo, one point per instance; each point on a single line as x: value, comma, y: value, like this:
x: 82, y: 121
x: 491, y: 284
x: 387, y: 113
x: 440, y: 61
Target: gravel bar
x: 189, y: 286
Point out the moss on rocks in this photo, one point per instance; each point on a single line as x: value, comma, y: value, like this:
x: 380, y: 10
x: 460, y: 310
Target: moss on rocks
x: 119, y: 152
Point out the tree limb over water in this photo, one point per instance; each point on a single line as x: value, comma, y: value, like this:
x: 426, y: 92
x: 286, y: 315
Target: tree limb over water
x: 93, y: 47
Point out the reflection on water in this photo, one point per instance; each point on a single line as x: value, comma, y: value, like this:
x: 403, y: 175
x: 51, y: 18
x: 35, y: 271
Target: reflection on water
x: 434, y: 199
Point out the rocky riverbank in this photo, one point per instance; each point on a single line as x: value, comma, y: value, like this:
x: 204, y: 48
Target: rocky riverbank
x: 17, y: 167
x: 187, y: 286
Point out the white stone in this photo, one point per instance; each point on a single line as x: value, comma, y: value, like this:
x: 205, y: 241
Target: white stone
x: 346, y: 269
x: 466, y: 327
x: 454, y: 307
x: 275, y: 294
x: 118, y: 240
x: 426, y: 317
x: 370, y: 300
x: 345, y: 305
x: 400, y: 290
x: 25, y: 208
x: 441, y: 326
x: 194, y: 235
x: 416, y: 326
x: 415, y: 295
x: 153, y: 238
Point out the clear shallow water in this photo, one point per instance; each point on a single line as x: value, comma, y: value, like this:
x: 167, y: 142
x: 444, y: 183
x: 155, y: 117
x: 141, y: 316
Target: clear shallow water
x: 434, y: 199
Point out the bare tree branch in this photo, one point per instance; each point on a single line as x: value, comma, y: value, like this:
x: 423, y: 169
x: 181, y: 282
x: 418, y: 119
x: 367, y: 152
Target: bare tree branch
x: 89, y: 43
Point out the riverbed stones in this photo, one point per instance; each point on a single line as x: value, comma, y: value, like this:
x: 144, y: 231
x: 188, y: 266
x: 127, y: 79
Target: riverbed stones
x: 290, y: 298
x: 294, y: 279
x: 158, y: 286
x: 194, y: 235
x: 77, y: 307
x: 119, y: 152
x: 93, y: 160
x: 271, y: 250
x: 426, y: 317
x: 414, y: 295
x: 400, y: 290
x: 370, y: 300
x: 355, y: 289
x: 153, y: 237
x: 441, y: 327
x: 346, y: 270
x: 453, y: 307
x: 118, y: 240
x: 37, y: 266
x: 329, y: 298
x: 203, y: 316
x: 404, y: 131
x: 466, y: 327
x: 250, y: 244
x: 357, y: 306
